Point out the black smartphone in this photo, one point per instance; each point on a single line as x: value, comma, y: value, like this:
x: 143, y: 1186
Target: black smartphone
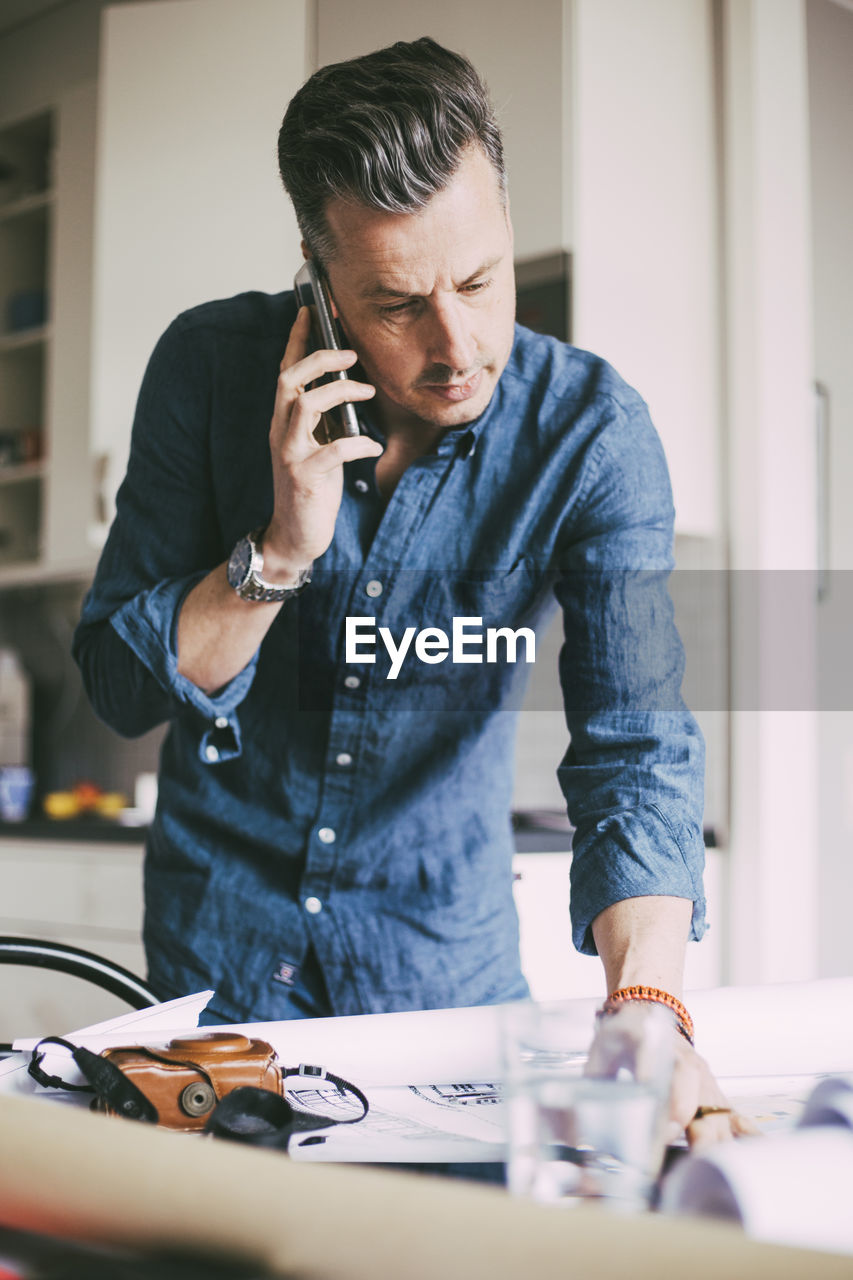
x: 312, y: 292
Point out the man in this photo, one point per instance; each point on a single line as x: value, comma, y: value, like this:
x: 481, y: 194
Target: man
x: 332, y: 832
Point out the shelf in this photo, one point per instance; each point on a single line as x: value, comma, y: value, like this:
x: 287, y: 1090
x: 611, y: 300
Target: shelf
x: 23, y: 206
x: 67, y: 830
x: 20, y: 472
x: 35, y: 573
x: 24, y: 338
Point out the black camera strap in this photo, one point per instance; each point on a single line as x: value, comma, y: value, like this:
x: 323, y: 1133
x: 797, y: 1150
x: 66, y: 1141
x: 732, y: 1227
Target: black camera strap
x: 104, y: 1079
x: 265, y: 1119
x: 247, y: 1114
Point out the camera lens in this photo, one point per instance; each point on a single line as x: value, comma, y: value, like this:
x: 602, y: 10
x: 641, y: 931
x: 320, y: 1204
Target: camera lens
x: 198, y: 1098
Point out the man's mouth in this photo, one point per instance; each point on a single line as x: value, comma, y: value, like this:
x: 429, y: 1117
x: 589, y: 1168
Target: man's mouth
x: 456, y: 391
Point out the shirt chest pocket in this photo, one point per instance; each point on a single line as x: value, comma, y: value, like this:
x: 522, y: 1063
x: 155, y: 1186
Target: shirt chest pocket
x: 499, y: 597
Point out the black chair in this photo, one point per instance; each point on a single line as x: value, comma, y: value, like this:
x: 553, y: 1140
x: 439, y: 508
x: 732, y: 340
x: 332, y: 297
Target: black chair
x: 63, y: 958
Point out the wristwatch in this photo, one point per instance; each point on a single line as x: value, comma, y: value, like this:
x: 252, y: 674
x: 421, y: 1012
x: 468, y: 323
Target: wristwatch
x: 245, y: 572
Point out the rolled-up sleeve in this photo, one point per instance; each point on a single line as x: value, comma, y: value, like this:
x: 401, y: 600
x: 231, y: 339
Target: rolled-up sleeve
x: 633, y: 776
x: 165, y: 538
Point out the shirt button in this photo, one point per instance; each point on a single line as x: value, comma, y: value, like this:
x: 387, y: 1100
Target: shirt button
x: 374, y: 588
x: 327, y: 835
x: 313, y: 906
x: 362, y: 486
x: 344, y: 759
x: 221, y: 722
x: 211, y: 754
x: 352, y: 682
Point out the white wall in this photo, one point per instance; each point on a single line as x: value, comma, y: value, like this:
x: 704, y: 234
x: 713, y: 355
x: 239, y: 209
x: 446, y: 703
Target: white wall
x: 42, y: 59
x: 644, y: 188
x: 830, y: 54
x: 189, y: 204
x: 519, y: 53
x: 772, y: 493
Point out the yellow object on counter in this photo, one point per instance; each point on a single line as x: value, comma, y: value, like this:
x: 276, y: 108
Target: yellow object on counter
x: 70, y: 804
x: 61, y: 804
x: 110, y: 804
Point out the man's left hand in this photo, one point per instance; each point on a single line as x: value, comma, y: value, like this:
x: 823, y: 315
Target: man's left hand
x: 698, y: 1106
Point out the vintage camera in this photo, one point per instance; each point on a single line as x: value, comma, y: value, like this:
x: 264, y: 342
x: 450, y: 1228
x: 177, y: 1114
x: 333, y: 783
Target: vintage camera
x: 186, y: 1079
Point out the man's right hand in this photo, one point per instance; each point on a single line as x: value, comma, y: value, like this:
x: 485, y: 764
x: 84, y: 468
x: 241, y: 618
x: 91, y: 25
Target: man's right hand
x: 217, y: 631
x: 307, y: 475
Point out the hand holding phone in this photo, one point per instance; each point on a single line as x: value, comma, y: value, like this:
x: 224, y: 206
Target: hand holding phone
x: 307, y: 462
x: 311, y: 292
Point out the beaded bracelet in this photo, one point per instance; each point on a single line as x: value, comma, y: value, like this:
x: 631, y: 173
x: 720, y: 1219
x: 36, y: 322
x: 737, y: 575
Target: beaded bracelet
x: 683, y: 1020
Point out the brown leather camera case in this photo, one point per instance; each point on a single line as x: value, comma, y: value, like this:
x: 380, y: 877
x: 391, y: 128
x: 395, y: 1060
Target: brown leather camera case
x: 186, y: 1079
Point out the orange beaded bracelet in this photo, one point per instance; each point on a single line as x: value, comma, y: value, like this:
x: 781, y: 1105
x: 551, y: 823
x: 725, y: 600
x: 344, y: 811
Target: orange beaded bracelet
x: 683, y: 1020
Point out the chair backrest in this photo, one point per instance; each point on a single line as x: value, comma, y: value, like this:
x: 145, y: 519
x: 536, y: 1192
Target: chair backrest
x: 64, y: 958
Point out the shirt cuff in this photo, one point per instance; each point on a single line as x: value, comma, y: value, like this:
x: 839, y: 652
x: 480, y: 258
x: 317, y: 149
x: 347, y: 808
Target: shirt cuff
x: 147, y: 623
x: 636, y: 853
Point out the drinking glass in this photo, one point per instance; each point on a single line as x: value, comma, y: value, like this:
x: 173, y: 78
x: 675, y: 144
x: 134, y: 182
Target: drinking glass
x: 586, y: 1125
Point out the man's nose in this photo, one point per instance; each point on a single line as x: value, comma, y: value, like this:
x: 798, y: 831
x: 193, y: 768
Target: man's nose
x: 451, y: 339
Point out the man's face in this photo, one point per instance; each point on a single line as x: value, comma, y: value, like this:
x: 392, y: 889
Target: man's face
x: 428, y: 299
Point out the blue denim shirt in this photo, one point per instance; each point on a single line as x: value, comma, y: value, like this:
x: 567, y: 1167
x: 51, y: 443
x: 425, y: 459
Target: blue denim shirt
x: 317, y: 804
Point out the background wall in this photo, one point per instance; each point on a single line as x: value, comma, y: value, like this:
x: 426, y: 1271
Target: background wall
x: 830, y: 46
x: 522, y: 63
x: 43, y: 57
x: 647, y: 239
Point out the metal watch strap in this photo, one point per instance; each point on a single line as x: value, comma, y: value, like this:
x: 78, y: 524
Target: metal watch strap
x: 254, y: 587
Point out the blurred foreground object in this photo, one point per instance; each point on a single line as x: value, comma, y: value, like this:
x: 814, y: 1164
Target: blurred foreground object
x: 69, y: 1173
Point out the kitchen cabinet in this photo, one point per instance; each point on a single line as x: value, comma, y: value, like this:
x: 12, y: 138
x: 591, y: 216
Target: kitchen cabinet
x: 120, y: 226
x: 91, y: 896
x: 26, y: 226
x: 609, y: 113
x: 522, y: 62
x: 189, y: 204
x: 61, y: 891
x: 830, y: 54
x: 45, y: 263
x: 195, y: 190
x: 646, y: 252
x: 552, y: 966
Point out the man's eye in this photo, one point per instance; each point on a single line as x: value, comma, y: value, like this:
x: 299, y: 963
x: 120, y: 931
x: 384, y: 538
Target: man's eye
x: 396, y: 309
x: 477, y: 286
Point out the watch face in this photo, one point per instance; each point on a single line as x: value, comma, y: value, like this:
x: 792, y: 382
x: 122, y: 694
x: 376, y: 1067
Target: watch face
x: 239, y: 563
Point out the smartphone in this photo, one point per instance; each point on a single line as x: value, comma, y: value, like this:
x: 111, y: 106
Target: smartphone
x: 312, y: 292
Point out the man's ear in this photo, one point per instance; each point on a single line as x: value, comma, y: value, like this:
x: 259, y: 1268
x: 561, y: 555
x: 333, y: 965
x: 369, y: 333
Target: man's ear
x: 308, y: 255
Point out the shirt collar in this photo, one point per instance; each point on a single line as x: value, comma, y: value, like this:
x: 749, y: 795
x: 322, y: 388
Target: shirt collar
x: 461, y: 440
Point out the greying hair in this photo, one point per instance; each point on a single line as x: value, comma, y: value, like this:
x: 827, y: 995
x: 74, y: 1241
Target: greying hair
x: 386, y: 131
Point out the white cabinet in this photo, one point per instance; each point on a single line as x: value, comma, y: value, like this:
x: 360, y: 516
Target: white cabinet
x: 554, y: 970
x: 617, y: 94
x: 59, y: 891
x: 70, y: 480
x: 91, y: 896
x: 45, y: 268
x: 26, y: 227
x: 519, y: 55
x: 644, y: 185
x: 189, y: 204
x: 608, y: 109
x: 121, y: 204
